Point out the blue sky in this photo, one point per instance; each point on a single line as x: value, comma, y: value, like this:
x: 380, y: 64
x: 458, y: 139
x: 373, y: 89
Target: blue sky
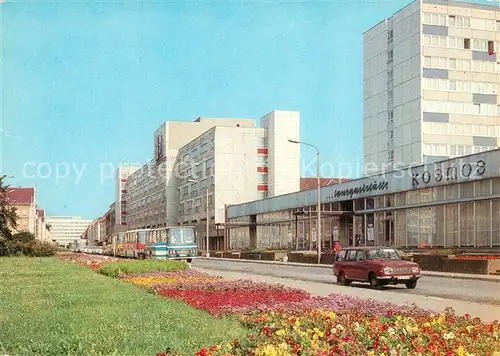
x: 88, y: 82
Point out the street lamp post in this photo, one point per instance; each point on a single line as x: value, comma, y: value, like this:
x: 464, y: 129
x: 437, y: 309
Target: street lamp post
x: 207, y: 231
x: 318, y: 196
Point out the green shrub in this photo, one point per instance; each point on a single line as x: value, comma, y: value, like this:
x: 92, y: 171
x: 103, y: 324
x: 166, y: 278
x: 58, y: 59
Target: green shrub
x: 39, y: 249
x: 33, y: 248
x: 113, y: 269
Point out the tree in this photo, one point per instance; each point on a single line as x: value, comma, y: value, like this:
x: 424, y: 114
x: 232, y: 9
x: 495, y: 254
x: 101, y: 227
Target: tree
x: 8, y: 214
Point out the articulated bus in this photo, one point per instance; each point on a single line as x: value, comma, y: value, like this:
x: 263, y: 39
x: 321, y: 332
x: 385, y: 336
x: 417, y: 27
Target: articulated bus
x: 172, y: 243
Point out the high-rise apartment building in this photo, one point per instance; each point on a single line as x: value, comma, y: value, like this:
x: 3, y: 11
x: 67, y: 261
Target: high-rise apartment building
x: 67, y: 229
x: 236, y: 160
x: 431, y: 84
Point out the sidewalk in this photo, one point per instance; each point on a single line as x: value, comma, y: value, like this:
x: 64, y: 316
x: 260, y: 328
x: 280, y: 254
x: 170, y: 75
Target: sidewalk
x: 476, y: 277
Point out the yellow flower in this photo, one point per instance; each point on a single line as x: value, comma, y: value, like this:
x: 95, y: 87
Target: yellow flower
x: 271, y: 350
x: 266, y: 350
x: 461, y: 351
x: 297, y: 323
x: 281, y: 332
x: 318, y: 332
x: 283, y: 346
x: 228, y: 346
x: 427, y: 324
x: 469, y: 328
x: 371, y: 353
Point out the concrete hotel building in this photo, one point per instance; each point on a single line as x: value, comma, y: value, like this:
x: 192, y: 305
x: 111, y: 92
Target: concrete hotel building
x: 236, y: 160
x: 453, y: 203
x: 431, y: 84
x: 67, y: 229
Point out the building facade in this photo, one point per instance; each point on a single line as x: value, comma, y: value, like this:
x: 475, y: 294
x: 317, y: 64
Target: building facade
x: 24, y: 201
x: 42, y: 231
x: 122, y: 174
x: 448, y: 204
x: 233, y: 158
x: 67, y: 229
x: 95, y: 233
x: 431, y: 84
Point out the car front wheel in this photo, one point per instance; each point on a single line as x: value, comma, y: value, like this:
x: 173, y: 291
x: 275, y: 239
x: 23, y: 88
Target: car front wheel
x: 374, y: 282
x: 342, y: 280
x: 411, y: 284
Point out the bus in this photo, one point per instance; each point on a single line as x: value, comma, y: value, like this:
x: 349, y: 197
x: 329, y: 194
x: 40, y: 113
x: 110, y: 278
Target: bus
x: 168, y: 243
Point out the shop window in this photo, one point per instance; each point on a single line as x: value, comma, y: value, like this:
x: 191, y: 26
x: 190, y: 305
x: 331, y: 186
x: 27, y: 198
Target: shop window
x: 483, y: 187
x: 482, y: 223
x: 466, y: 225
x: 467, y: 190
x: 452, y: 225
x: 496, y: 221
x: 451, y: 192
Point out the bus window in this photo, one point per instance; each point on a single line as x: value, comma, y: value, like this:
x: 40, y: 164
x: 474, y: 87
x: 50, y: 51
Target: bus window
x: 142, y: 237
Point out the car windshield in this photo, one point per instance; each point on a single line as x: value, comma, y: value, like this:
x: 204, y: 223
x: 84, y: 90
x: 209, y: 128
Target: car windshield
x: 181, y: 235
x: 383, y: 254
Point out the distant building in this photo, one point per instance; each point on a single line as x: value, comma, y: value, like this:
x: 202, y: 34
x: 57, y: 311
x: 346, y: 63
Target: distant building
x: 67, y: 229
x: 42, y: 229
x: 95, y: 233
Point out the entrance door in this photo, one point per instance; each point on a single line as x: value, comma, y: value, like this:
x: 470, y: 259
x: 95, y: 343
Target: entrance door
x: 389, y: 233
x: 253, y: 231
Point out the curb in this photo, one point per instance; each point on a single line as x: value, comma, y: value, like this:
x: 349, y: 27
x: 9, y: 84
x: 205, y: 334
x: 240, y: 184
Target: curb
x: 297, y: 264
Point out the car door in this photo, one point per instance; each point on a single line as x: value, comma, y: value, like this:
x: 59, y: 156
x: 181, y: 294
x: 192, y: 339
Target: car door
x: 357, y: 265
x: 361, y: 266
x: 349, y: 264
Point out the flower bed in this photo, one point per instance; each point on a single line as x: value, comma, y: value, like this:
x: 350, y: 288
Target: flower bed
x: 476, y: 257
x: 214, y: 294
x: 164, y: 279
x: 232, y: 297
x: 94, y: 262
x: 325, y: 333
x: 285, y: 321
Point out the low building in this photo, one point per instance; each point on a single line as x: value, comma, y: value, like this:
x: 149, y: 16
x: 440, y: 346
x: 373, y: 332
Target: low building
x: 95, y: 233
x: 449, y: 204
x: 42, y: 232
x: 24, y: 201
x: 67, y: 229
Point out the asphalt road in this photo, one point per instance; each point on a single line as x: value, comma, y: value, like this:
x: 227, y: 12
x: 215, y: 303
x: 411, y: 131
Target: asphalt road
x: 455, y: 289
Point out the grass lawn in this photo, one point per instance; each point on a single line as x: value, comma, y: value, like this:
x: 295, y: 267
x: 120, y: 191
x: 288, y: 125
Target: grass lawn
x: 52, y: 307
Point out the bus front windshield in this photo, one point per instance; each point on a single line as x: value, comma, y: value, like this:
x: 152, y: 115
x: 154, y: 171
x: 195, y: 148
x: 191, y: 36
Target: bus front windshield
x: 181, y: 235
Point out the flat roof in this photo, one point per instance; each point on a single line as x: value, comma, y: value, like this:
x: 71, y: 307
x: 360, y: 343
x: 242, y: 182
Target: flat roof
x: 461, y: 169
x: 458, y: 3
